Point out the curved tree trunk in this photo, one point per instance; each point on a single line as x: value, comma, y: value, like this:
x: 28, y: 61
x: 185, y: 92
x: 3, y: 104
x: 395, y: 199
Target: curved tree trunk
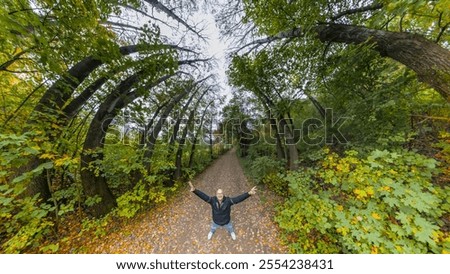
x: 94, y: 182
x: 194, y: 142
x: 153, y: 136
x: 176, y: 127
x: 48, y: 109
x: 53, y: 108
x: 179, y: 154
x: 430, y: 61
x: 182, y: 142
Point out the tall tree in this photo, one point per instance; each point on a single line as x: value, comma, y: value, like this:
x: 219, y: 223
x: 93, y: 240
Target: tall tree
x: 349, y: 23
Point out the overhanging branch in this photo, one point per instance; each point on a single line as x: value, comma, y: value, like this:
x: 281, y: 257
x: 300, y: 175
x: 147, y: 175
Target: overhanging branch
x: 374, y: 6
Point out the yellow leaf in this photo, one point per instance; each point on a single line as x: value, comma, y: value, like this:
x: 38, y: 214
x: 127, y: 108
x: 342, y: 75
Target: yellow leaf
x: 47, y: 156
x: 376, y: 216
x: 370, y: 191
x: 374, y: 249
x: 361, y: 194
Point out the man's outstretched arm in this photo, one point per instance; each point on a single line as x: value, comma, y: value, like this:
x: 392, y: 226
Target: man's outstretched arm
x: 200, y: 194
x: 242, y: 197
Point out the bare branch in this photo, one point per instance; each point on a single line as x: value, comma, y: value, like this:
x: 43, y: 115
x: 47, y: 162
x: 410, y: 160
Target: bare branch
x: 146, y: 15
x: 374, y: 6
x: 121, y: 25
x: 296, y: 32
x: 171, y: 14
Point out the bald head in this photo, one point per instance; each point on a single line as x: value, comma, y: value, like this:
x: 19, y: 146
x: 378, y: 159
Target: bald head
x: 219, y: 194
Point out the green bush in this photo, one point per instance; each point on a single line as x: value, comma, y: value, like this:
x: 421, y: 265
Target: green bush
x: 142, y: 195
x: 277, y: 183
x: 263, y: 166
x: 24, y: 223
x: 384, y: 203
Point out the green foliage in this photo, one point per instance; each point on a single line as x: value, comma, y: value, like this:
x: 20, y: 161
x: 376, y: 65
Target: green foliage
x: 384, y: 203
x: 51, y: 46
x: 306, y: 217
x: 97, y: 226
x: 263, y: 166
x: 140, y: 197
x: 120, y: 161
x: 26, y: 222
x: 261, y: 149
x: 276, y: 183
x: 23, y: 222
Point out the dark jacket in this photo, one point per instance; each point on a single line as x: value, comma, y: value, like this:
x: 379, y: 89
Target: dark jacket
x: 221, y: 214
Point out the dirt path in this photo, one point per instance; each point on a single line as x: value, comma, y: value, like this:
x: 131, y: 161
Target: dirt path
x: 182, y: 224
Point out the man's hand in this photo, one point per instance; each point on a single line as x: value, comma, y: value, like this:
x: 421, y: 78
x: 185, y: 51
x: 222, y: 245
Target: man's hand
x: 192, y: 186
x: 252, y: 191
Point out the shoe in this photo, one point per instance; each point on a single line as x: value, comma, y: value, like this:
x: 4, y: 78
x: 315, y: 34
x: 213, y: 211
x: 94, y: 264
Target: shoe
x: 210, y: 235
x: 233, y: 236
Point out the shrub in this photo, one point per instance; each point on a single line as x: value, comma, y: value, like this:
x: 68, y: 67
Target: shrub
x: 146, y: 193
x: 24, y: 223
x: 263, y: 166
x: 385, y: 203
x: 276, y: 183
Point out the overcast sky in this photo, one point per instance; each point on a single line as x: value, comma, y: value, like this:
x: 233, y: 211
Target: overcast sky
x: 218, y: 49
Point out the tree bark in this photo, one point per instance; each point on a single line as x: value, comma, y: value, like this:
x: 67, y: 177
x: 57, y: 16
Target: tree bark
x: 292, y: 152
x: 61, y: 91
x: 176, y: 127
x: 430, y: 61
x: 179, y: 154
x: 48, y: 106
x: 280, y: 150
x: 94, y: 183
x: 178, y: 157
x: 194, y: 142
x: 153, y: 136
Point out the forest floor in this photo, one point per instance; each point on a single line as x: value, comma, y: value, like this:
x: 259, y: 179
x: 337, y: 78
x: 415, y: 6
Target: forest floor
x: 181, y: 225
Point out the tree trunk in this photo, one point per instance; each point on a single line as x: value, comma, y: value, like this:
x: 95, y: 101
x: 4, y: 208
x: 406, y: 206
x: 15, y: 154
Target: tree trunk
x: 94, y: 183
x: 62, y: 90
x: 47, y: 112
x: 179, y: 154
x: 151, y: 140
x: 317, y: 105
x: 48, y: 109
x: 430, y: 61
x: 176, y: 127
x: 280, y: 150
x: 211, y: 154
x: 291, y: 146
x: 194, y: 142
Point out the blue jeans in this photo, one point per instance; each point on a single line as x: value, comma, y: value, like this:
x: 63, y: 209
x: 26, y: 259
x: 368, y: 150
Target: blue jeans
x: 228, y: 227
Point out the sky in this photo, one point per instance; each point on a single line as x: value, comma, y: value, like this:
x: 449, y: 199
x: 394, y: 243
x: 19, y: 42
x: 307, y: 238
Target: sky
x: 218, y: 49
x: 204, y: 18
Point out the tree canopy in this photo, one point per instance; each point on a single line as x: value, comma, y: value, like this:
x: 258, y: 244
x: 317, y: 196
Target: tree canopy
x: 340, y: 107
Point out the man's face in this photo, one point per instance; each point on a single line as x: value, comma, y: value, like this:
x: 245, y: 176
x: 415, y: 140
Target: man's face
x: 219, y: 195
